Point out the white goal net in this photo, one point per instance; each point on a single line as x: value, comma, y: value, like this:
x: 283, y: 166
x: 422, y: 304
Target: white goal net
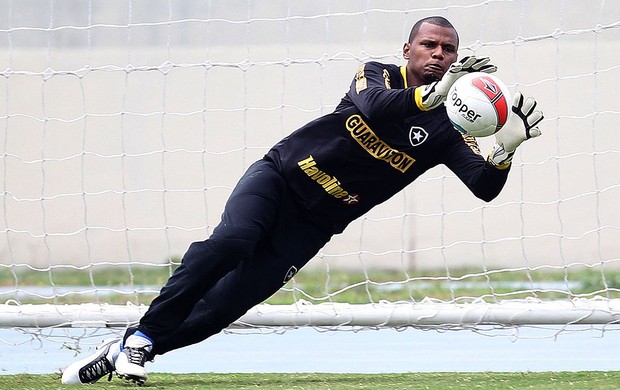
x: 125, y: 125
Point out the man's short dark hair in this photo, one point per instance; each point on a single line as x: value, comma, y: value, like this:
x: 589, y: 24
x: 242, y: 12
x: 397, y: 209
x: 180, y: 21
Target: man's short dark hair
x: 435, y: 20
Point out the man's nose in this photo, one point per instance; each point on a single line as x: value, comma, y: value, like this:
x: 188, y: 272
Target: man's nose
x: 438, y: 53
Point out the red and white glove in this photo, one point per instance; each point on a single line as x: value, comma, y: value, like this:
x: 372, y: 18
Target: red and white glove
x: 521, y: 125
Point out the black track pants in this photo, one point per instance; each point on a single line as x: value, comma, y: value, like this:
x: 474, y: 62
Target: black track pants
x: 262, y: 239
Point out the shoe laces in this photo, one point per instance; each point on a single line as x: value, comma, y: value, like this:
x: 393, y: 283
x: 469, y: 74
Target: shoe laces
x: 137, y: 356
x: 96, y: 370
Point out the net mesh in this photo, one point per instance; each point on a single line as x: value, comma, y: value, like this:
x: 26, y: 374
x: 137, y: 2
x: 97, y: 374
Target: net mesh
x: 123, y: 129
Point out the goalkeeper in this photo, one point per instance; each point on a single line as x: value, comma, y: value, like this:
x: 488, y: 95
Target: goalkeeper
x: 389, y: 128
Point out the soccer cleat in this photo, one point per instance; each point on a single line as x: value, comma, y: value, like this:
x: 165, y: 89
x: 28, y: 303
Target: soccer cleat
x: 94, y: 367
x: 130, y: 363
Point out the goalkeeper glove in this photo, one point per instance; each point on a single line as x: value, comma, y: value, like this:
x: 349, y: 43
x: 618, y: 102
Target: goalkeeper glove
x: 430, y: 96
x: 521, y: 125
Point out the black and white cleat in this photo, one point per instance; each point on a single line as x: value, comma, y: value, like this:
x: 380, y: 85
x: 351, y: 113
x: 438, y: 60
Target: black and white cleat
x: 136, y: 380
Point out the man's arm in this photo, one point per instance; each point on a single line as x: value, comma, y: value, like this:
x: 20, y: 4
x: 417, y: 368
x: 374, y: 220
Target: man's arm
x: 483, y: 179
x: 371, y: 90
x: 377, y: 91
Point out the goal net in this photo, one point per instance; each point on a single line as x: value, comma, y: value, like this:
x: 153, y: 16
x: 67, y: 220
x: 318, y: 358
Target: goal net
x: 124, y: 126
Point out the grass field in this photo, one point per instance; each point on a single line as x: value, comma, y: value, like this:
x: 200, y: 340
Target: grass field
x: 545, y: 380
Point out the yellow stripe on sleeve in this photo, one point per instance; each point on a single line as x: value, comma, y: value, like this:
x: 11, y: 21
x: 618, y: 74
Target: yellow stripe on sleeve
x: 418, y: 99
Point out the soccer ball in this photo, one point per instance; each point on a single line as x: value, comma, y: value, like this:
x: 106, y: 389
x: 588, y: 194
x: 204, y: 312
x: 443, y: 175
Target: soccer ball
x: 478, y: 104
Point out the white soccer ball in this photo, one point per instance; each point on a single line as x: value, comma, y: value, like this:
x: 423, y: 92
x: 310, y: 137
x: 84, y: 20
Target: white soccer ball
x: 478, y: 104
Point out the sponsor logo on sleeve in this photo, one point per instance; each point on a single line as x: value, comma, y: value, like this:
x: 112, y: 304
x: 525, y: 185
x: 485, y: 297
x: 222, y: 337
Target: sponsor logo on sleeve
x: 360, y: 79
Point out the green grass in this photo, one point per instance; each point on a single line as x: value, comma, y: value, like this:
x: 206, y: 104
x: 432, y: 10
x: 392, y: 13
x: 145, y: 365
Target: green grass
x: 318, y: 286
x: 544, y: 380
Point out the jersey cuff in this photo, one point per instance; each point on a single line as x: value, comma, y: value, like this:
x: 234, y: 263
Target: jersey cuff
x: 417, y: 95
x: 501, y: 167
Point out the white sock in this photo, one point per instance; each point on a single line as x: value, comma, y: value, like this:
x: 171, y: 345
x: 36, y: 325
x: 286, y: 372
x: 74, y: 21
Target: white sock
x: 135, y: 341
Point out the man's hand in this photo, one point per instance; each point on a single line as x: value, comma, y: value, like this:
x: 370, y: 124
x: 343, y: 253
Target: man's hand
x: 432, y: 95
x: 521, y: 126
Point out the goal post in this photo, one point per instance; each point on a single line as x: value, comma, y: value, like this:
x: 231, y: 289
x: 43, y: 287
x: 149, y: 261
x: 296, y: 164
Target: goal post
x: 337, y: 315
x: 124, y: 127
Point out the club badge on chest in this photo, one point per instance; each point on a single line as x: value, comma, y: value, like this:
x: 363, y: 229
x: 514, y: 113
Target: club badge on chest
x: 417, y: 135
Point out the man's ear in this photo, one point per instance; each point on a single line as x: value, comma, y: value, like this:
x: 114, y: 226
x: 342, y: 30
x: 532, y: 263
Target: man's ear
x: 406, y: 48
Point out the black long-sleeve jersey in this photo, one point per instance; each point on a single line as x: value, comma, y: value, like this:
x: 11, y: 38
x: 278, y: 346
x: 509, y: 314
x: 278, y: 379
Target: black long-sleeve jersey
x: 375, y: 143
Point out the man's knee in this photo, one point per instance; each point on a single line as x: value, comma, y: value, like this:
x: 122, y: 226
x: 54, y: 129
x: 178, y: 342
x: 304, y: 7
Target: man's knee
x: 230, y: 241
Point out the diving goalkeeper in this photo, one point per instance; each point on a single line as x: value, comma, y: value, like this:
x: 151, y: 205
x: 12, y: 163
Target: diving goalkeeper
x: 389, y: 128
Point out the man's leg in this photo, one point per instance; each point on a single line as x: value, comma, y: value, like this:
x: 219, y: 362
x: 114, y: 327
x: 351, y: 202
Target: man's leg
x: 290, y: 245
x: 249, y: 214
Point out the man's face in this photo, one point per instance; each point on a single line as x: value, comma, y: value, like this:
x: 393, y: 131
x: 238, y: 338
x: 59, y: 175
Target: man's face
x: 430, y: 54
